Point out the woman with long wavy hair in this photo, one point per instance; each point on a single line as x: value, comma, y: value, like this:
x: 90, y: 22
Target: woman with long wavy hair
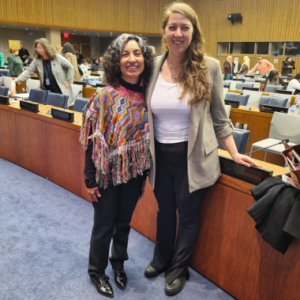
x: 186, y: 118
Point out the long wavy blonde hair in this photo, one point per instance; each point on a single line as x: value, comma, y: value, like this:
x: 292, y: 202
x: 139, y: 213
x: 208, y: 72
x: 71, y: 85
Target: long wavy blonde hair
x: 192, y: 73
x: 47, y: 46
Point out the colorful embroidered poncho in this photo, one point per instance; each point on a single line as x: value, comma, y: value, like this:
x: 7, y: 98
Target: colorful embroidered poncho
x: 116, y: 120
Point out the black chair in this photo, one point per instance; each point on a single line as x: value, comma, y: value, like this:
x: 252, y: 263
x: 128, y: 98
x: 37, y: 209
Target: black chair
x: 80, y: 83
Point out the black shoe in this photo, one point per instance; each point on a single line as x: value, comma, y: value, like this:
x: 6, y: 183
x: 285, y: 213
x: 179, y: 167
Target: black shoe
x: 150, y: 272
x: 177, y: 284
x: 121, y: 279
x: 103, y: 286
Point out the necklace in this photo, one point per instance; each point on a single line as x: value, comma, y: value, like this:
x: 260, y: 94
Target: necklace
x: 174, y: 78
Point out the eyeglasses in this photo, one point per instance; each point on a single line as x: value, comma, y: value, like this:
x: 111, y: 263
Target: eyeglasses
x: 37, y: 49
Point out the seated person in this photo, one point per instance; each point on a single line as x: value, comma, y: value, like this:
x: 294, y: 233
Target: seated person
x: 294, y: 84
x: 227, y: 73
x: 263, y: 66
x: 84, y: 68
x: 287, y: 67
x: 274, y: 79
x: 96, y: 65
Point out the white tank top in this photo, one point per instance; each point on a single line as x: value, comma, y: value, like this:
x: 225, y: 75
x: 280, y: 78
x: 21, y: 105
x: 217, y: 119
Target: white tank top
x: 171, y: 116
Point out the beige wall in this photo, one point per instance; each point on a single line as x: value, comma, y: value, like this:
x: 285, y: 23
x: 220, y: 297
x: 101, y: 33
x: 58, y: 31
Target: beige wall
x: 14, y: 34
x: 53, y: 35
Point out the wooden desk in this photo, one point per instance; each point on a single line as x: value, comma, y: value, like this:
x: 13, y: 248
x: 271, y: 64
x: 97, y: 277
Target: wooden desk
x: 229, y: 250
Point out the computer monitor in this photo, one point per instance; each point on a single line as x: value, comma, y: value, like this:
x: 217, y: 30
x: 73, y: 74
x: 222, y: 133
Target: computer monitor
x: 283, y: 92
x: 272, y: 108
x: 232, y: 103
x: 251, y: 89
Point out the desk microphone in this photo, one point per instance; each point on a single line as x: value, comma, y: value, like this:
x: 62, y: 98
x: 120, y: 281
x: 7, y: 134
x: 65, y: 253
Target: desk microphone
x: 281, y: 142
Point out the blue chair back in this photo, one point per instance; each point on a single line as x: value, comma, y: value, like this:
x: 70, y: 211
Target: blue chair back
x: 242, y: 99
x: 3, y: 91
x: 241, y: 137
x: 271, y: 88
x: 80, y: 103
x: 58, y: 100
x: 5, y: 72
x: 38, y: 96
x: 226, y: 84
x: 239, y: 86
x: 276, y: 101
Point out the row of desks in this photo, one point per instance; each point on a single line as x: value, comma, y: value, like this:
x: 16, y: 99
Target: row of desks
x: 229, y: 251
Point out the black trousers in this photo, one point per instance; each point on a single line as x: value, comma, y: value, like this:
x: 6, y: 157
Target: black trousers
x: 112, y: 216
x: 172, y: 193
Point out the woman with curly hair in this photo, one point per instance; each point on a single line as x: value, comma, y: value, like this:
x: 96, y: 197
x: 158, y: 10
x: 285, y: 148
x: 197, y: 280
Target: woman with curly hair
x: 115, y: 135
x: 187, y: 116
x: 70, y: 55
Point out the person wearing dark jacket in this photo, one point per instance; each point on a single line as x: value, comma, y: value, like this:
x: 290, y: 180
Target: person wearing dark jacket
x: 23, y: 53
x: 236, y: 66
x: 274, y: 79
x: 79, y: 57
x: 287, y: 67
x: 227, y: 73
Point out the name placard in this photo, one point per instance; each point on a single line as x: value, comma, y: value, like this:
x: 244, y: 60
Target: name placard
x: 62, y: 115
x: 4, y: 100
x: 29, y: 106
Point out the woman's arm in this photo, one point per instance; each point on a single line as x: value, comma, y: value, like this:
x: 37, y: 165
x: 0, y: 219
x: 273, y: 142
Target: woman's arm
x: 66, y: 65
x: 28, y: 73
x: 254, y: 69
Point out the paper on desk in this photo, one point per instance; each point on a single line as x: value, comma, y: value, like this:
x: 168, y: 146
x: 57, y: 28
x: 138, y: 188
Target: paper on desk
x: 24, y: 95
x: 289, y: 181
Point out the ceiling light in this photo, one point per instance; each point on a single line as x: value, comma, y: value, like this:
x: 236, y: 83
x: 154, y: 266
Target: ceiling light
x: 26, y: 28
x: 37, y: 28
x: 84, y: 33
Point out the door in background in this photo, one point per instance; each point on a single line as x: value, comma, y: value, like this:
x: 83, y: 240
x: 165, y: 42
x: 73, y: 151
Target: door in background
x: 16, y: 43
x: 86, y: 50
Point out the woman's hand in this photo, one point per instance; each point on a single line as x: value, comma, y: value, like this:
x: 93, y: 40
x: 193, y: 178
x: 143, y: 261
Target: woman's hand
x: 245, y: 160
x: 93, y: 194
x: 67, y: 85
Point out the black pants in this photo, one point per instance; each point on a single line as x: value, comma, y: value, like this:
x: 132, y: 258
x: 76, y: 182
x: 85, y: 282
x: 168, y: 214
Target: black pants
x: 112, y: 216
x: 172, y: 193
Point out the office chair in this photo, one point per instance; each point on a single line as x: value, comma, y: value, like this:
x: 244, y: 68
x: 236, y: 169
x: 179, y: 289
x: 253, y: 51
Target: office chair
x: 239, y: 86
x: 242, y: 99
x: 241, y: 137
x: 275, y: 101
x: 269, y: 88
x: 5, y: 73
x: 80, y: 103
x: 58, y: 100
x: 3, y: 91
x: 37, y: 95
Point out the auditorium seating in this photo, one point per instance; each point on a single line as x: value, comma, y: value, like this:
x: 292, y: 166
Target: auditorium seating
x: 241, y: 99
x: 282, y: 126
x: 58, y: 100
x: 271, y: 88
x: 239, y: 86
x: 275, y: 101
x: 80, y: 104
x: 226, y: 84
x: 5, y: 72
x: 38, y: 96
x: 241, y: 137
x: 3, y: 91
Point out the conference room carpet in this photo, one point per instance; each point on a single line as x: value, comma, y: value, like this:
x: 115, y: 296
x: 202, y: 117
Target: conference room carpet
x: 44, y: 244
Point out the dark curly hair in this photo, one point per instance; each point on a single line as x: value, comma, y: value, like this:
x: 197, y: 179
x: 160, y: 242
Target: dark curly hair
x: 112, y: 57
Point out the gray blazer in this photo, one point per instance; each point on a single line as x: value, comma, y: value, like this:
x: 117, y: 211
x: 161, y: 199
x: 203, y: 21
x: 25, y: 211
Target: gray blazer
x: 62, y: 71
x: 208, y: 123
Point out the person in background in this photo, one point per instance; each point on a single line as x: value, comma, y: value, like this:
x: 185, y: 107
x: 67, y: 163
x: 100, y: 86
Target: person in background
x: 89, y: 64
x: 245, y: 66
x: 294, y: 84
x: 187, y: 117
x: 54, y: 71
x: 263, y: 66
x: 227, y: 73
x: 23, y: 53
x: 236, y: 66
x: 287, y: 67
x: 153, y: 51
x: 115, y: 135
x: 228, y: 61
x: 84, y: 68
x: 59, y: 49
x: 28, y: 61
x: 274, y: 79
x: 95, y: 66
x: 78, y: 56
x: 70, y: 54
x: 100, y: 63
x: 1, y: 60
x: 15, y: 64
